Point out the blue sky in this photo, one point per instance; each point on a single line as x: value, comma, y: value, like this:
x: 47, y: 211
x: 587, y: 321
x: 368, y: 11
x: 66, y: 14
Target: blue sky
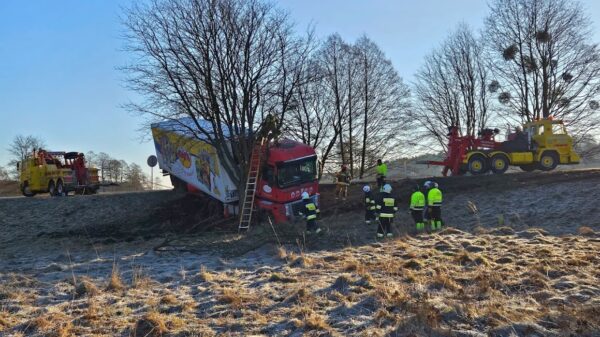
x: 59, y: 59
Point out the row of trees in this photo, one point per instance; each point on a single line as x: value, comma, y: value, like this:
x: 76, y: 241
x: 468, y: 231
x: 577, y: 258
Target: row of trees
x: 534, y: 59
x: 129, y: 175
x: 351, y: 107
x: 226, y: 64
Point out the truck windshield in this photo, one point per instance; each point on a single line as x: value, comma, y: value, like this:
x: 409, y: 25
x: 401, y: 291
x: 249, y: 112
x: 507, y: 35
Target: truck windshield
x: 297, y: 172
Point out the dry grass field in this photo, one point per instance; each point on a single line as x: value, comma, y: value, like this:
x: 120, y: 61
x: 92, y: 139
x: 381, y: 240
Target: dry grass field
x: 112, y: 266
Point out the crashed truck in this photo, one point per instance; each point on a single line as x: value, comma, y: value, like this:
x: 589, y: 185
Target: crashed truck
x: 287, y: 169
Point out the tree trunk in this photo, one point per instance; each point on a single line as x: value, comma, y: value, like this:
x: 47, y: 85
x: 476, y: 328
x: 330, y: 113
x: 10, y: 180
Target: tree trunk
x: 366, y: 119
x: 350, y: 126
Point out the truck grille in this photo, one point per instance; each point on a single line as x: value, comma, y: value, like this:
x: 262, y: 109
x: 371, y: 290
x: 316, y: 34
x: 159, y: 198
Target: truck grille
x: 293, y: 209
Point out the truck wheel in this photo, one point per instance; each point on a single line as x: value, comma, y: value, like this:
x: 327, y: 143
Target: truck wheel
x: 60, y: 189
x: 478, y: 164
x: 26, y: 190
x: 499, y: 163
x: 548, y: 161
x: 528, y: 167
x: 51, y: 188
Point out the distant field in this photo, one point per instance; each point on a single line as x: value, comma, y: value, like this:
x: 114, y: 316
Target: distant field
x: 9, y: 188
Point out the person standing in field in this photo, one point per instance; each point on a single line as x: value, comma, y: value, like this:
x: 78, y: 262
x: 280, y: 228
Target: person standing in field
x: 370, y: 205
x: 417, y: 206
x: 381, y: 170
x: 310, y: 213
x: 434, y: 205
x: 343, y: 179
x: 386, y: 209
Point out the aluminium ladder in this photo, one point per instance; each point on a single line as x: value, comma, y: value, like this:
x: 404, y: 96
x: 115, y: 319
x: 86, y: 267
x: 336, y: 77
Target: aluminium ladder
x: 251, y: 183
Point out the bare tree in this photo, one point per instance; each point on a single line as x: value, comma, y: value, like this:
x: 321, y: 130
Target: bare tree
x: 222, y: 64
x: 541, y: 54
x: 352, y: 107
x: 312, y: 119
x: 4, y: 176
x: 452, y: 87
x: 20, y: 148
x: 333, y: 58
x: 382, y: 105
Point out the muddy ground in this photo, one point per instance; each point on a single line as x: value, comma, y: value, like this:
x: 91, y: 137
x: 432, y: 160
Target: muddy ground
x: 521, y: 258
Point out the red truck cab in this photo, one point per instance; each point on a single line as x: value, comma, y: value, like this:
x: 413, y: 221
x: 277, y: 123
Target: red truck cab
x: 289, y: 170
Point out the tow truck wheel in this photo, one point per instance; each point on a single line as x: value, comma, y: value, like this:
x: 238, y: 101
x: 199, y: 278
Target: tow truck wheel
x: 478, y: 164
x: 60, y: 189
x: 548, y: 161
x: 499, y: 163
x: 27, y: 190
x: 51, y: 188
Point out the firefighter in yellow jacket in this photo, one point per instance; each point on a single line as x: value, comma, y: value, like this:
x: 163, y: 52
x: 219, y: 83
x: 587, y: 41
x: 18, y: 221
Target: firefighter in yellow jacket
x: 310, y: 213
x: 417, y: 206
x: 434, y: 205
x: 369, y: 205
x: 386, y: 209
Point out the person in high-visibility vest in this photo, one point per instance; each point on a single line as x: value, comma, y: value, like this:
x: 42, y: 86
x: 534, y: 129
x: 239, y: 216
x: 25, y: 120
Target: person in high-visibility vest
x: 386, y: 208
x: 369, y: 205
x: 381, y: 170
x: 434, y: 203
x: 310, y: 214
x: 417, y: 206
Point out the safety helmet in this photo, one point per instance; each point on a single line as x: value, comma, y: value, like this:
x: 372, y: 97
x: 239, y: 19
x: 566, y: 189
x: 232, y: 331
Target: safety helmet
x: 435, y: 185
x: 387, y: 188
x: 305, y: 195
x: 366, y: 188
x: 427, y: 184
x: 518, y: 129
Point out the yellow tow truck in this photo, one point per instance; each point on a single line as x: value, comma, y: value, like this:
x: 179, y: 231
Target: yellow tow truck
x: 56, y: 173
x: 541, y: 144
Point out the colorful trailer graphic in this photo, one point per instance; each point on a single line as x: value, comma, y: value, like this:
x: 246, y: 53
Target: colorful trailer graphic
x: 192, y: 160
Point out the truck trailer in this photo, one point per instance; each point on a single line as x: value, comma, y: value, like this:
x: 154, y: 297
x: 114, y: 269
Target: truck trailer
x: 287, y: 169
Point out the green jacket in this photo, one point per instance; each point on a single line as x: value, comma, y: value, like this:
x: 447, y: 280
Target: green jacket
x: 382, y: 170
x: 417, y: 201
x: 434, y: 197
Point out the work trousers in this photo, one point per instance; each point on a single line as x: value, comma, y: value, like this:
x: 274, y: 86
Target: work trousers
x: 380, y: 181
x: 385, y: 225
x: 436, y: 217
x: 417, y: 215
x: 369, y: 215
x: 311, y: 225
x: 341, y: 190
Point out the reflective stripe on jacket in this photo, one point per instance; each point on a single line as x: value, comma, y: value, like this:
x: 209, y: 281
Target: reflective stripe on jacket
x: 369, y: 202
x: 387, y: 206
x: 417, y: 201
x: 434, y: 197
x: 311, y: 210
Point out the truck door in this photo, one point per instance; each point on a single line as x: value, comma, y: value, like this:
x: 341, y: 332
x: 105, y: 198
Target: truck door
x: 38, y: 176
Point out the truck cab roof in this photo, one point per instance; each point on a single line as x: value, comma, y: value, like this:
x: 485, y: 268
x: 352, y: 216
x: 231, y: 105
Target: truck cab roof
x: 287, y: 150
